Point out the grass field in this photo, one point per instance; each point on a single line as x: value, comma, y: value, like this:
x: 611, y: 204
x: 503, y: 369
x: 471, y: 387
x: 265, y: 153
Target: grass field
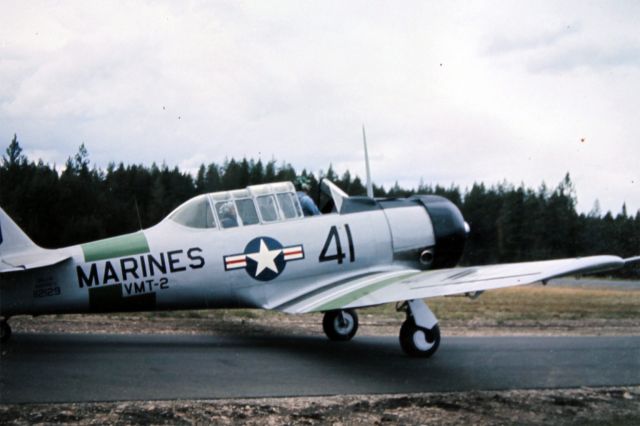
x: 536, y: 303
x: 530, y: 309
x: 511, y: 304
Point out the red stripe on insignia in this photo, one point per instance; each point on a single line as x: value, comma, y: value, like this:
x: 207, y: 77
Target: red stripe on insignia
x: 293, y: 249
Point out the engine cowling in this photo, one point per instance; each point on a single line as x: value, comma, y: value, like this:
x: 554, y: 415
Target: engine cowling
x: 449, y: 229
x: 427, y: 231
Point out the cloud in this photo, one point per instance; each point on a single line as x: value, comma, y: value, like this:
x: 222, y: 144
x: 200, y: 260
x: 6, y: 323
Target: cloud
x: 595, y: 39
x: 503, y: 44
x: 589, y: 57
x: 449, y: 93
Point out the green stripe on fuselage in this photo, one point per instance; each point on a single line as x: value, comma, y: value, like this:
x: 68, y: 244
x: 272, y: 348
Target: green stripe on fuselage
x: 348, y: 298
x: 125, y: 245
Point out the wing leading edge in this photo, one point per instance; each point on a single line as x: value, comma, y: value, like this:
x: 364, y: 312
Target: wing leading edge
x: 408, y: 284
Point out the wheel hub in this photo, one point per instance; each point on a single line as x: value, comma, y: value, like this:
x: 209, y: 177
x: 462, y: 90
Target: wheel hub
x: 422, y: 341
x: 343, y: 324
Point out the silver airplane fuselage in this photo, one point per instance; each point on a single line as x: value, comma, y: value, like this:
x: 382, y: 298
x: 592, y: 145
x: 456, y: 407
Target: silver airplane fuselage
x: 172, y: 266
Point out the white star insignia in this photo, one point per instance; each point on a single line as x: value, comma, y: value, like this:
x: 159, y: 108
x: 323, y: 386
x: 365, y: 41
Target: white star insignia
x: 265, y: 258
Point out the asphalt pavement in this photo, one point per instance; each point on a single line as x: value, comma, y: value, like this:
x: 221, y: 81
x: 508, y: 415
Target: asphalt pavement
x: 98, y: 367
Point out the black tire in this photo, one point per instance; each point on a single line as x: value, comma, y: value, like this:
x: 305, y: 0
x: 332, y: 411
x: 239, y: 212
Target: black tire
x: 417, y: 341
x: 340, y: 325
x: 5, y: 331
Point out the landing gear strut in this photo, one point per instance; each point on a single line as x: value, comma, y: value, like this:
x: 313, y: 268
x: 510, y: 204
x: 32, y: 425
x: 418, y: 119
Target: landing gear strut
x: 5, y: 331
x: 419, y: 334
x: 340, y: 325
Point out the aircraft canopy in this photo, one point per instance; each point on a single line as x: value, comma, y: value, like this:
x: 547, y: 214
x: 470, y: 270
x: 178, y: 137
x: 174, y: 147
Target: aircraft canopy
x: 267, y: 203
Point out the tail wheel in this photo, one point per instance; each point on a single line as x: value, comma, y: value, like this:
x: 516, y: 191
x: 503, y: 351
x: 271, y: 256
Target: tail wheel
x: 5, y: 331
x: 418, y: 341
x: 340, y: 325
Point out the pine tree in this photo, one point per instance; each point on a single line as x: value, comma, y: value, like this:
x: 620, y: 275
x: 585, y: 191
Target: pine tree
x: 14, y: 155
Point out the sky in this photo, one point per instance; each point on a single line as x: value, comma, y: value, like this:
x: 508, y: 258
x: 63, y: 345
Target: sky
x: 450, y: 93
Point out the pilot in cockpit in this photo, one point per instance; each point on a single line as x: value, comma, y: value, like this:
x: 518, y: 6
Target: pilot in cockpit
x: 309, y: 207
x: 227, y: 213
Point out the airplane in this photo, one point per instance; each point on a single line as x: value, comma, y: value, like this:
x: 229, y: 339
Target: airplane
x: 254, y: 248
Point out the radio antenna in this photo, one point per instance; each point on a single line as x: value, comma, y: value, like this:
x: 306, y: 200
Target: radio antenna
x: 135, y: 200
x: 366, y: 161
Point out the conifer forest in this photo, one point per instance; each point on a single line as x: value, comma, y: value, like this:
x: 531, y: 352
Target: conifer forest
x: 509, y: 223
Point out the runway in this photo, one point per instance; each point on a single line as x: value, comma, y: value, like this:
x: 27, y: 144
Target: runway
x: 83, y: 368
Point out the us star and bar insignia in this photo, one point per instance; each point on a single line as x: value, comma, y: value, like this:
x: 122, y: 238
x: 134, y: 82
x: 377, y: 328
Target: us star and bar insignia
x: 264, y: 258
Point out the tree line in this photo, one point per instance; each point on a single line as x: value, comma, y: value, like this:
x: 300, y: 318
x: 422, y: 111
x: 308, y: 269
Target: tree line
x: 508, y: 223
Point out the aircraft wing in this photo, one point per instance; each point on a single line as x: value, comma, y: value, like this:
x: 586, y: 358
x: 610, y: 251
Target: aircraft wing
x: 31, y: 260
x: 400, y: 285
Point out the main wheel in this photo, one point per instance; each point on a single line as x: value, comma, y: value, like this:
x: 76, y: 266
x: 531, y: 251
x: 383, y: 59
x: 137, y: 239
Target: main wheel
x: 5, y: 331
x: 417, y: 341
x: 340, y: 325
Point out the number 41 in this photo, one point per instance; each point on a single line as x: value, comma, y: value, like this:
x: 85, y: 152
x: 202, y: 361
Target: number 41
x: 339, y: 254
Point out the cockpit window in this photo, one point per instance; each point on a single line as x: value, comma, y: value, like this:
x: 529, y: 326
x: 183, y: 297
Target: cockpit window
x: 289, y: 207
x: 267, y: 206
x: 227, y: 213
x: 247, y: 211
x: 195, y: 213
x: 265, y: 203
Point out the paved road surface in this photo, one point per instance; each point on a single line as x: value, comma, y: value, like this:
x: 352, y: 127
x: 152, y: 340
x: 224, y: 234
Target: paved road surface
x: 72, y: 367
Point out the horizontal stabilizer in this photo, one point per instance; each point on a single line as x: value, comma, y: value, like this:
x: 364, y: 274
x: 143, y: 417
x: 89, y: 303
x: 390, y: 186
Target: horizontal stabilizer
x: 31, y: 260
x: 18, y: 252
x: 12, y: 238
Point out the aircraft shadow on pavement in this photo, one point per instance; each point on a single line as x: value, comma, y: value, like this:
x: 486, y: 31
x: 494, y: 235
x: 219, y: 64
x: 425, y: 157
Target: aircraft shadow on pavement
x: 362, y: 354
x: 295, y: 344
x: 281, y: 364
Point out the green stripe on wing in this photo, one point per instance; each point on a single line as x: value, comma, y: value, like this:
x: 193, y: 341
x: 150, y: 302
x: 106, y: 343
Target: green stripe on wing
x: 346, y: 299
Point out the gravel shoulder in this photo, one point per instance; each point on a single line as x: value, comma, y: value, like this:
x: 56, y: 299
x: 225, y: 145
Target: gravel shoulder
x: 617, y: 406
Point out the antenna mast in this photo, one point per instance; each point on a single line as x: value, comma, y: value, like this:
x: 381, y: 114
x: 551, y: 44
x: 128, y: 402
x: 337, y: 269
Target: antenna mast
x: 135, y: 200
x: 366, y: 160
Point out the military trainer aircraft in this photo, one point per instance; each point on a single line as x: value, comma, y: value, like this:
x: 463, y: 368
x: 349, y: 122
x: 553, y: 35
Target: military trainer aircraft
x: 254, y: 248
